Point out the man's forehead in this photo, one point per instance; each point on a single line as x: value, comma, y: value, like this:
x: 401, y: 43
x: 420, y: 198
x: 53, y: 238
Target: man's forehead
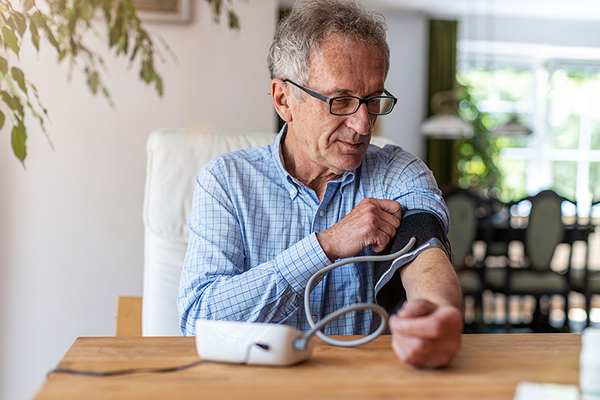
x: 334, y: 44
x: 350, y: 60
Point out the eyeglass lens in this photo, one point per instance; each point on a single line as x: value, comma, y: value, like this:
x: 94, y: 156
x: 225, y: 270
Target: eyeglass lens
x: 348, y: 105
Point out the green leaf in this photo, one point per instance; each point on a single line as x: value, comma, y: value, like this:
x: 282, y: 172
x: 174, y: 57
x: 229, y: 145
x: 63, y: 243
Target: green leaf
x: 73, y: 18
x: 51, y: 38
x: 106, y: 7
x: 39, y: 18
x: 35, y: 36
x: 19, y: 136
x: 21, y: 23
x: 74, y: 47
x: 87, y: 10
x: 19, y: 77
x: 28, y: 4
x: 159, y: 84
x: 40, y: 21
x: 11, y: 39
x: 2, y: 119
x: 123, y: 43
x: 9, y: 22
x: 37, y: 116
x: 3, y: 66
x: 93, y: 82
x: 129, y: 7
x: 234, y: 23
x: 217, y: 4
x: 12, y: 102
x: 147, y: 72
x: 135, y: 50
x: 115, y: 32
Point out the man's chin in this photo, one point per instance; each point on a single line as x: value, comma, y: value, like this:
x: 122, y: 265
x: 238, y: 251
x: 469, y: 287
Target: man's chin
x: 350, y: 162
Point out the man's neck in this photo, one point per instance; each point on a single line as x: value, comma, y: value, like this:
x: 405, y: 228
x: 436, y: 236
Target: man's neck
x: 308, y: 173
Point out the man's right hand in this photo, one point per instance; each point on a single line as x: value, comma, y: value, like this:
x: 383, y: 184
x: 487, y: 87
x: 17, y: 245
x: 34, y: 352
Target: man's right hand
x: 371, y: 222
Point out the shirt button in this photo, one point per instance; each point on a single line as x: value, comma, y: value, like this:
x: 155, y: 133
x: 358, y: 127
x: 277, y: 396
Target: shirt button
x: 321, y: 213
x: 293, y: 192
x: 314, y: 318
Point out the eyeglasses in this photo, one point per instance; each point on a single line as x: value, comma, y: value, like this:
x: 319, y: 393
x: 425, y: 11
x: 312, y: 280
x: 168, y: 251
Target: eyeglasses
x: 347, y: 105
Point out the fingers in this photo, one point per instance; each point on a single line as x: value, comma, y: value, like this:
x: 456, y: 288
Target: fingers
x: 390, y: 206
x: 426, y: 335
x: 390, y: 213
x: 427, y: 326
x: 426, y: 353
x: 383, y: 217
x: 416, y: 308
x: 372, y: 222
x: 383, y: 233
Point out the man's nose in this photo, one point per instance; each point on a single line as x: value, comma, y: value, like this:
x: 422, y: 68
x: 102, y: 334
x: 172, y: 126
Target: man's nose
x: 361, y: 121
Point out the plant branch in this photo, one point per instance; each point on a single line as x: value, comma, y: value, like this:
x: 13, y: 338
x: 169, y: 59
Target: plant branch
x: 63, y: 24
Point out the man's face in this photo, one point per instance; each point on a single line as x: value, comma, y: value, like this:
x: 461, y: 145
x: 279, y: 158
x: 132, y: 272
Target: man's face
x: 329, y: 143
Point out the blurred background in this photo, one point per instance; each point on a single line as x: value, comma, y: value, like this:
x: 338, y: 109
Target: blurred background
x: 500, y: 98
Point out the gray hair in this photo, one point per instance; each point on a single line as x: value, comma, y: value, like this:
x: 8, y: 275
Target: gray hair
x: 307, y: 27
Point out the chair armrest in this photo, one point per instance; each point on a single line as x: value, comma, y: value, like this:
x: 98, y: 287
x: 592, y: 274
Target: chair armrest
x: 129, y: 316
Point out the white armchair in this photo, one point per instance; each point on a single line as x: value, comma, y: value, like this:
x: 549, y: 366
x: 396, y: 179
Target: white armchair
x: 174, y: 159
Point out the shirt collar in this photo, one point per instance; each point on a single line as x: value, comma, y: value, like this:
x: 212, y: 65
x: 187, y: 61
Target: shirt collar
x: 293, y: 184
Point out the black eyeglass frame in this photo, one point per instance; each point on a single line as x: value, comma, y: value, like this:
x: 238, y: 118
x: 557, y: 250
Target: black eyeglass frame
x: 329, y: 100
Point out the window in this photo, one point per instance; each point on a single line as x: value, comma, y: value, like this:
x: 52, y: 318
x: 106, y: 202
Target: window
x: 559, y: 100
x: 494, y: 97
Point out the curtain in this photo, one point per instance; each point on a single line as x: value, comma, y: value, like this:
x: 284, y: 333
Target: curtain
x: 442, y: 154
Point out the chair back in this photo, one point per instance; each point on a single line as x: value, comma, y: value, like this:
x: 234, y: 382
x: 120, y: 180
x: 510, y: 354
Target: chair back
x: 463, y: 225
x: 174, y: 159
x: 545, y: 229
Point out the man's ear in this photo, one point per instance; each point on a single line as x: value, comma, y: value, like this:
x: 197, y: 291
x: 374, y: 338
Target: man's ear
x: 281, y: 96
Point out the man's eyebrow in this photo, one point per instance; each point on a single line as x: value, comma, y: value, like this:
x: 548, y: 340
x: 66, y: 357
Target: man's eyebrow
x: 347, y: 92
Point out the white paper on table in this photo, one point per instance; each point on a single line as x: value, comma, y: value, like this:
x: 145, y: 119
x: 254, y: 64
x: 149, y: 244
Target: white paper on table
x: 545, y: 391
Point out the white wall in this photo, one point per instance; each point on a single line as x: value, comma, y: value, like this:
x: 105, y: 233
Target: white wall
x: 71, y: 224
x: 528, y: 30
x: 408, y: 38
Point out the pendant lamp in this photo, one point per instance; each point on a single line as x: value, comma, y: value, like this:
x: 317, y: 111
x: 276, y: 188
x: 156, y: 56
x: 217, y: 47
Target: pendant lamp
x: 445, y: 123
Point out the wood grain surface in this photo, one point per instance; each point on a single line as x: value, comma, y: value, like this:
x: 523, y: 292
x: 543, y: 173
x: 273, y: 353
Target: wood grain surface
x: 486, y: 367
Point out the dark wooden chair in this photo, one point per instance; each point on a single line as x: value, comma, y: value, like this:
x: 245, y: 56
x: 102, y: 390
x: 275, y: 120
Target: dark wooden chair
x: 463, y: 205
x: 586, y: 281
x: 535, y: 277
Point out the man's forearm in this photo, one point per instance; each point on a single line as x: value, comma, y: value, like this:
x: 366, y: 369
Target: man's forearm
x: 430, y: 276
x: 212, y: 287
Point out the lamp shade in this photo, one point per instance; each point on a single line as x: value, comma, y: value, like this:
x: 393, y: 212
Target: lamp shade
x: 511, y: 128
x: 446, y: 126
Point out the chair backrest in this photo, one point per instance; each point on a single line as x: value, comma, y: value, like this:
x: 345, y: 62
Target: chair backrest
x: 545, y: 229
x: 174, y: 159
x: 462, y: 206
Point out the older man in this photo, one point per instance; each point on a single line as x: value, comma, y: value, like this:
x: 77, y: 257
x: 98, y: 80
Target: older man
x: 265, y: 219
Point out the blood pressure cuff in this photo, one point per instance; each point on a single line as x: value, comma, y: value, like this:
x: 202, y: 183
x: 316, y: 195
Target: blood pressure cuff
x: 429, y: 232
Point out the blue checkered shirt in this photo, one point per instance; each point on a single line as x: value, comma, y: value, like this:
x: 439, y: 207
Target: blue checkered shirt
x: 253, y: 245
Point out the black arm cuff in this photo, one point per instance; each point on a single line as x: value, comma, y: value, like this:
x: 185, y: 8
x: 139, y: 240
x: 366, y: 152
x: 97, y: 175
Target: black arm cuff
x: 424, y: 226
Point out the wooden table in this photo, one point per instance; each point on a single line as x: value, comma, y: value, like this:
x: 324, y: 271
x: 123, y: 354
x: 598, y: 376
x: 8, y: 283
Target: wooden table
x: 486, y: 367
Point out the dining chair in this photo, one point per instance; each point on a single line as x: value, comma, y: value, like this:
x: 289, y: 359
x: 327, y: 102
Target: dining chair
x: 535, y: 277
x: 463, y: 206
x: 586, y: 280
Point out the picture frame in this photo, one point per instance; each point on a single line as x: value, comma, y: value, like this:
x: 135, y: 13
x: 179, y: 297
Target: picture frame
x: 167, y: 11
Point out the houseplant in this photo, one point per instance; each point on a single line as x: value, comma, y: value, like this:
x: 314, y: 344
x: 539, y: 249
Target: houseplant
x: 64, y: 25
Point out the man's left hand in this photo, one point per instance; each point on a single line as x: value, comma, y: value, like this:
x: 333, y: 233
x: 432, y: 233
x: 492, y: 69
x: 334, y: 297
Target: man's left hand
x: 425, y: 334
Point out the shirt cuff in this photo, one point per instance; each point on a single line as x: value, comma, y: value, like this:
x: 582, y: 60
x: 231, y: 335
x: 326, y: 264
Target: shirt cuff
x: 301, y: 261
